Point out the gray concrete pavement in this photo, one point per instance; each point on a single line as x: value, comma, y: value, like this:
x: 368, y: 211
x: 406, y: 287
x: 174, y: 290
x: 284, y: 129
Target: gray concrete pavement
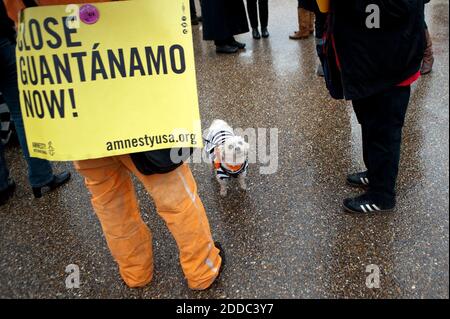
x: 287, y: 237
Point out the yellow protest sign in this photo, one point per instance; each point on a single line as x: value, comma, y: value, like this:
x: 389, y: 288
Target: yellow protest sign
x: 107, y: 79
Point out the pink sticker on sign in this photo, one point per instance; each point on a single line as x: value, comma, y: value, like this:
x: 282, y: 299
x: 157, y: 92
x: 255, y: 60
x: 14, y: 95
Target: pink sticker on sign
x: 89, y: 14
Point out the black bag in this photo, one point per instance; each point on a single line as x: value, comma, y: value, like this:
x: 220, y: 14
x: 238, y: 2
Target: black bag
x: 327, y: 56
x: 160, y: 161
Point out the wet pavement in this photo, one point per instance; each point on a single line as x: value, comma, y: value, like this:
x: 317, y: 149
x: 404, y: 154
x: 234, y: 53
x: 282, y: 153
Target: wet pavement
x: 287, y: 237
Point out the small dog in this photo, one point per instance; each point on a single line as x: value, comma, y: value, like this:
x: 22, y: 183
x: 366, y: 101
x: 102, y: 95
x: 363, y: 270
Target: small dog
x: 228, y: 154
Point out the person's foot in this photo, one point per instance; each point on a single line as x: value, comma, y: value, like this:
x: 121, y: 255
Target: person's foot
x: 7, y: 193
x: 427, y: 66
x: 255, y: 33
x: 226, y: 49
x: 364, y: 204
x: 265, y: 33
x: 298, y: 35
x: 222, y: 265
x: 237, y: 44
x: 358, y: 180
x: 222, y: 256
x: 319, y: 71
x: 194, y: 21
x: 428, y: 57
x: 58, y: 180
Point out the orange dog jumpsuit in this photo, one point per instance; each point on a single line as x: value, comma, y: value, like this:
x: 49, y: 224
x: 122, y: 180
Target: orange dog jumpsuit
x: 176, y: 199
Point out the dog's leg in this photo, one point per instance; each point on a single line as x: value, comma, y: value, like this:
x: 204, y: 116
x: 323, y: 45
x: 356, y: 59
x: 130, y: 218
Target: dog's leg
x: 243, y: 181
x: 223, y: 186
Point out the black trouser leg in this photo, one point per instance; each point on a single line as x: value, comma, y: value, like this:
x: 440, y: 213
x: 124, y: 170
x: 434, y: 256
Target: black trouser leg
x: 193, y: 9
x: 382, y: 118
x: 365, y: 147
x: 220, y: 42
x: 320, y: 22
x: 264, y: 13
x: 228, y: 41
x: 359, y: 110
x: 252, y: 10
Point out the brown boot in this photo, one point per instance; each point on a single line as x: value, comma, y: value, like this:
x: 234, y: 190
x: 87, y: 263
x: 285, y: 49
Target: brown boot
x: 428, y: 58
x: 303, y: 23
x: 311, y: 22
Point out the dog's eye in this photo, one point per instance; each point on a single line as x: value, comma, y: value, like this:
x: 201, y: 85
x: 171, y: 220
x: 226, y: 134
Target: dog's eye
x: 240, y: 143
x: 230, y: 147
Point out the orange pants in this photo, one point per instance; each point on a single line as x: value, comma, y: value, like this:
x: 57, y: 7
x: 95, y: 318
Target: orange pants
x: 128, y: 237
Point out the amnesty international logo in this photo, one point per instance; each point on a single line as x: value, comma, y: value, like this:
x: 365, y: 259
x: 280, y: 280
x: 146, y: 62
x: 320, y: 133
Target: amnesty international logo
x: 51, y: 149
x: 40, y: 148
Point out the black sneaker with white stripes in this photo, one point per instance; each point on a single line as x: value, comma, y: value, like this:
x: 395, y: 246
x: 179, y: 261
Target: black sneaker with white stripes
x: 365, y: 204
x: 358, y: 180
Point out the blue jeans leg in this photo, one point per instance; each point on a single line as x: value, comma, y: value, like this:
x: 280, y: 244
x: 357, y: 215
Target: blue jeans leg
x: 4, y: 173
x: 39, y: 171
